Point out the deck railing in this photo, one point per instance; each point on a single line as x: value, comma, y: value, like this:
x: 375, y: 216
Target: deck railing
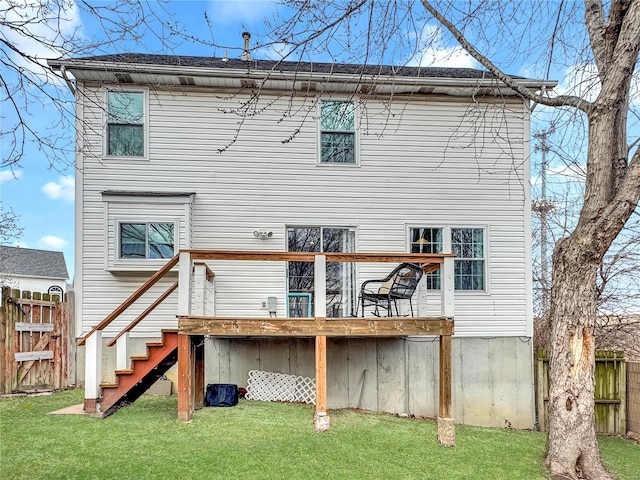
x: 196, y: 294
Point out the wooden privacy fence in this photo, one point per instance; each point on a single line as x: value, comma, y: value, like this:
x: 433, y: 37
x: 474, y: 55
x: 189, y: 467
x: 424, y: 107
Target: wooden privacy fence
x: 34, y: 342
x: 610, y: 392
x: 633, y: 397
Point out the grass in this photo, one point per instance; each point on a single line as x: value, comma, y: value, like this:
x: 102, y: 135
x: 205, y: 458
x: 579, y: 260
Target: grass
x: 258, y: 440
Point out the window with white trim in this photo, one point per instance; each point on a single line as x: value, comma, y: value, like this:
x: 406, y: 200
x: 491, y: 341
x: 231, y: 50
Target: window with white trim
x: 144, y: 230
x: 150, y: 240
x: 125, y: 124
x: 468, y: 244
x: 337, y: 132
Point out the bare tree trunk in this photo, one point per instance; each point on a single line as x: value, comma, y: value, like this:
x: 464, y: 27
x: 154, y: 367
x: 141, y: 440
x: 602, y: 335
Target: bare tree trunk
x: 572, y: 443
x: 611, y: 195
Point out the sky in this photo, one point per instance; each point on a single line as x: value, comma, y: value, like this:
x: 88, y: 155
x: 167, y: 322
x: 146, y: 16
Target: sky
x: 43, y: 197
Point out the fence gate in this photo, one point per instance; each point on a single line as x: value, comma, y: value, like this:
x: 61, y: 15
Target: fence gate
x: 34, y: 336
x: 610, y: 391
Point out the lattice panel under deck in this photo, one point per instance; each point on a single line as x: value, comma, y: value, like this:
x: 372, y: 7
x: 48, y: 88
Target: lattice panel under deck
x: 280, y: 387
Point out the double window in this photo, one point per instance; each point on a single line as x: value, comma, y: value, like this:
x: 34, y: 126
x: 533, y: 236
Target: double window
x: 126, y: 124
x: 337, y: 132
x: 147, y: 240
x: 468, y: 244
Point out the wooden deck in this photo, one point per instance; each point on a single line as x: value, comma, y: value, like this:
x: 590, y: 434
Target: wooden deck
x: 195, y: 279
x: 312, y: 327
x: 193, y: 328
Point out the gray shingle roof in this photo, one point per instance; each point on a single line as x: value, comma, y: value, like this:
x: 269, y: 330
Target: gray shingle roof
x: 289, y: 66
x: 32, y: 263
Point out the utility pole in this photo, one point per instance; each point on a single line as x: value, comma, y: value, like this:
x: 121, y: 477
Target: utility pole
x: 543, y: 207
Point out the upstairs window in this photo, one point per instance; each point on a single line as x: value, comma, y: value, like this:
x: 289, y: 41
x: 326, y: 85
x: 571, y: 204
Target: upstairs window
x: 125, y: 124
x: 147, y: 240
x: 337, y: 132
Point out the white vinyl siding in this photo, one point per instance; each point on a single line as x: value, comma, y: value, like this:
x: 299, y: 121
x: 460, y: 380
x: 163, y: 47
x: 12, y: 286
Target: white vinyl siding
x: 423, y: 161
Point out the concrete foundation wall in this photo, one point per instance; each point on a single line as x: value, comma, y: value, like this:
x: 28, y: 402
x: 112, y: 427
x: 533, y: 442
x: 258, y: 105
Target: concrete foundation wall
x: 492, y: 377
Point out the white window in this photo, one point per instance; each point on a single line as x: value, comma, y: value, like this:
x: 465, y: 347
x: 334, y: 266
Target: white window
x: 469, y: 246
x: 337, y: 132
x: 125, y: 124
x: 144, y: 230
x: 147, y: 240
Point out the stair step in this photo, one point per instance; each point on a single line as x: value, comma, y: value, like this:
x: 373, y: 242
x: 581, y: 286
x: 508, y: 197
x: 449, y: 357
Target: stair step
x: 145, y: 370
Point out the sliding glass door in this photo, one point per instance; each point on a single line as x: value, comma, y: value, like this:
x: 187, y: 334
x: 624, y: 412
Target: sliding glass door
x: 340, y: 275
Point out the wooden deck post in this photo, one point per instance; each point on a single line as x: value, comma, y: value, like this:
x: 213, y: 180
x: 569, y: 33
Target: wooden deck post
x: 198, y: 383
x: 321, y: 418
x: 446, y: 424
x: 186, y: 363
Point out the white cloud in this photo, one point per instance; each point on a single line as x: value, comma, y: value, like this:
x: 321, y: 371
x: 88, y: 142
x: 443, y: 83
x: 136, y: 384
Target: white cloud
x: 20, y: 243
x: 8, y: 175
x: 580, y: 80
x: 583, y: 81
x: 45, y: 25
x: 63, y: 189
x: 434, y: 52
x: 51, y: 242
x: 275, y: 51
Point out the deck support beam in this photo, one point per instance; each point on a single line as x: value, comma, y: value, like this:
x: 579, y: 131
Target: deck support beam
x: 321, y: 418
x: 446, y: 425
x: 186, y: 381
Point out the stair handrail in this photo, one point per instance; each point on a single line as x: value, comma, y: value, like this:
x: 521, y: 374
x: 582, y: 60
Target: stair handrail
x: 131, y: 300
x: 146, y: 312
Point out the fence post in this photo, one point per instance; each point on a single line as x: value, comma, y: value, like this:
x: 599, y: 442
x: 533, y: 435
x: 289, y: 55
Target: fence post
x: 621, y: 427
x: 4, y: 340
x: 541, y: 389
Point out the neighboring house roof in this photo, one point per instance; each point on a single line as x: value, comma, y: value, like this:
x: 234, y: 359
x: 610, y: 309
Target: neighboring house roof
x: 29, y: 262
x: 189, y: 70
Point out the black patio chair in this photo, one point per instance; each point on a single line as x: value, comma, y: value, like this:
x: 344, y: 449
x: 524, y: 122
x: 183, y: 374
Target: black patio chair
x: 384, y: 294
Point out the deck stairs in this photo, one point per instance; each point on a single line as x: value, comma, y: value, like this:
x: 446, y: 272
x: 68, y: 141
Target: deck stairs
x: 144, y: 372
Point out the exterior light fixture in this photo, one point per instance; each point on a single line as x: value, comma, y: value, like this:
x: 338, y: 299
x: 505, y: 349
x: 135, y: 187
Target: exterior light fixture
x: 262, y: 234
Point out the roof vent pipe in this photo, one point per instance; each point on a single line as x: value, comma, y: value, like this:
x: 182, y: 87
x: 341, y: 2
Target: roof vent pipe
x: 246, y: 55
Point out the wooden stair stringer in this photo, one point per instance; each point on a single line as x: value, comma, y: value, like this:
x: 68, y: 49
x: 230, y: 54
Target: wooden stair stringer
x: 145, y: 371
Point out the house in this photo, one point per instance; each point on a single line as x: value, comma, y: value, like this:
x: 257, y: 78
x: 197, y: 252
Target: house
x: 33, y: 270
x: 199, y: 154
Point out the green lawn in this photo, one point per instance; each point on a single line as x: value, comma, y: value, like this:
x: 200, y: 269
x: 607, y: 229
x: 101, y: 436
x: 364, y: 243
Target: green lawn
x: 258, y: 440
